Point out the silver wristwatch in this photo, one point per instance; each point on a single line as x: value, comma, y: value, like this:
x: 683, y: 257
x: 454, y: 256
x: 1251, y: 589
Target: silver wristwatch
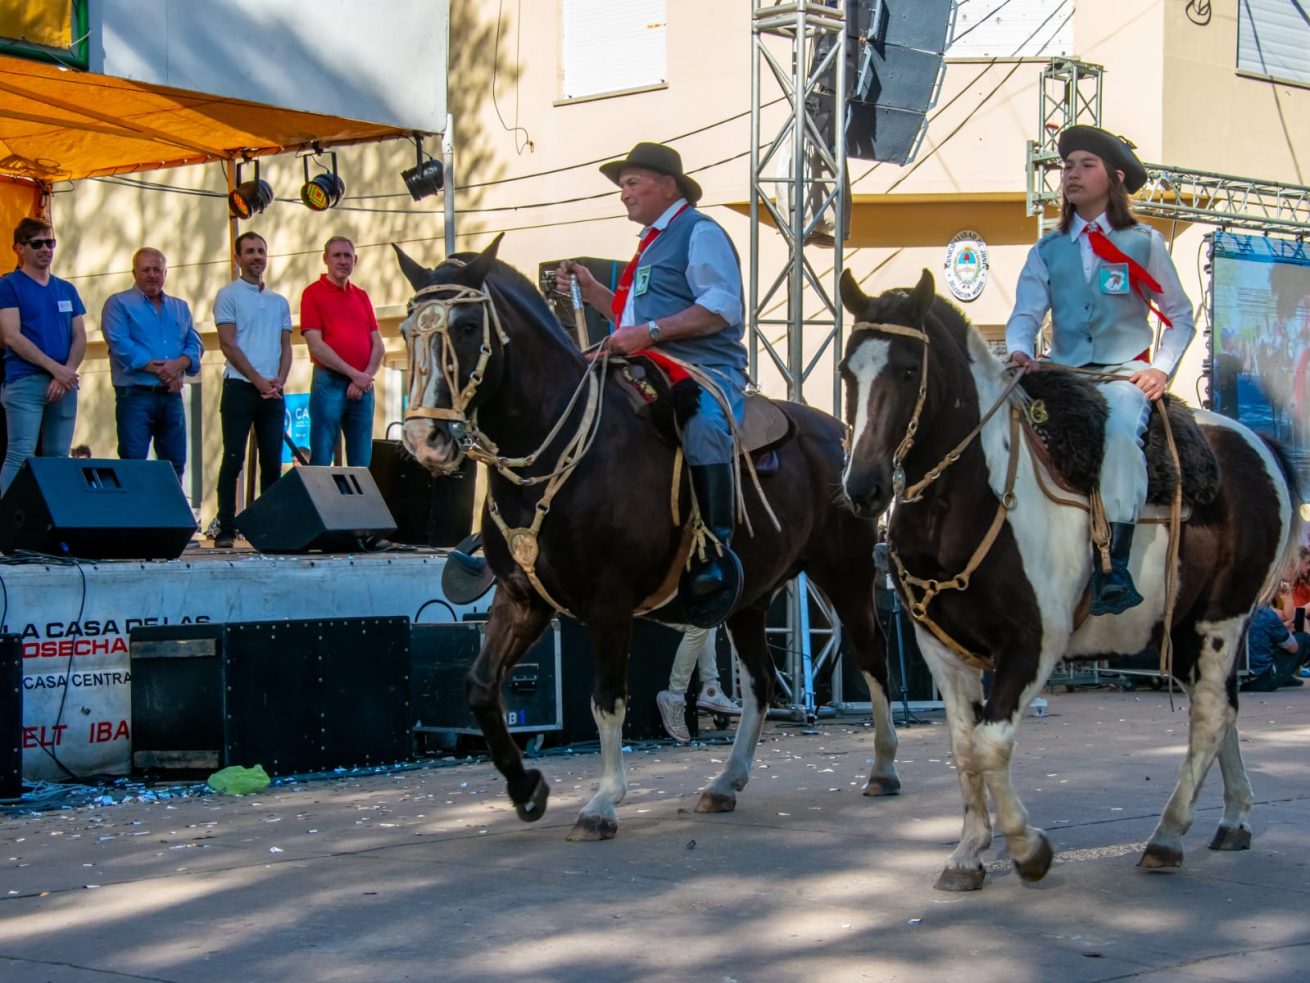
x: 653, y: 330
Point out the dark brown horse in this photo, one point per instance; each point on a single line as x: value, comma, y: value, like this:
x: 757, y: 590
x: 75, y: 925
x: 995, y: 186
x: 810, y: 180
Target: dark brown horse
x: 490, y: 362
x: 920, y: 381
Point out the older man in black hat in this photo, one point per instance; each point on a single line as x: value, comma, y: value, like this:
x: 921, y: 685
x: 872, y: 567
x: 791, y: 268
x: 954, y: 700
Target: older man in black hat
x: 681, y: 296
x: 1101, y: 274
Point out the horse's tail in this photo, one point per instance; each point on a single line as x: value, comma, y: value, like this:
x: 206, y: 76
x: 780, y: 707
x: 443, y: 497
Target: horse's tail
x: 1290, y: 554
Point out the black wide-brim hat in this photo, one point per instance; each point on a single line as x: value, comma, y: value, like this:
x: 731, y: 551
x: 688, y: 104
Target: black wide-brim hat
x: 655, y: 157
x: 1115, y: 151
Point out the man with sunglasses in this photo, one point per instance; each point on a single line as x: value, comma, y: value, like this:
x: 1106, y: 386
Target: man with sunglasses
x: 41, y: 318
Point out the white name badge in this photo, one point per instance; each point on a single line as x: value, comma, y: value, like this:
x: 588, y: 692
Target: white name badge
x: 642, y: 283
x: 65, y: 307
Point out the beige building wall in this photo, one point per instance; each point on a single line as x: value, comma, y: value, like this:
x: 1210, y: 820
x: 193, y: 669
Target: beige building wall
x: 1170, y: 85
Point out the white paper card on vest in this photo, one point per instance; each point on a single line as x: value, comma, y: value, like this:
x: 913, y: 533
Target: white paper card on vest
x: 1114, y: 278
x: 65, y: 307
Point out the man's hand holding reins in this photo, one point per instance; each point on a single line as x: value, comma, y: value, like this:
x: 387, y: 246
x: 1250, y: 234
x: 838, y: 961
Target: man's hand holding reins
x: 628, y: 339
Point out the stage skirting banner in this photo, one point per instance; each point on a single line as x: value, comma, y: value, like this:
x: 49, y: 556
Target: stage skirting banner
x: 75, y: 618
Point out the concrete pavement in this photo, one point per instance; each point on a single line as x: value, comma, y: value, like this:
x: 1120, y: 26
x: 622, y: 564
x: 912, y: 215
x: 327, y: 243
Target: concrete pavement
x: 428, y: 875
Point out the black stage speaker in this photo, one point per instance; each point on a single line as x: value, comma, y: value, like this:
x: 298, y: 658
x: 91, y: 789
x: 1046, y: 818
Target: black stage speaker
x: 607, y: 271
x: 294, y: 696
x: 440, y: 657
x: 96, y: 509
x: 11, y: 716
x: 899, y: 45
x: 429, y: 510
x: 328, y: 509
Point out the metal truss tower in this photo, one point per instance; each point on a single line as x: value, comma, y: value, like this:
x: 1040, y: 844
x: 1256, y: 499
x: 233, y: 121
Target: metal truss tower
x: 1070, y: 94
x: 811, y: 194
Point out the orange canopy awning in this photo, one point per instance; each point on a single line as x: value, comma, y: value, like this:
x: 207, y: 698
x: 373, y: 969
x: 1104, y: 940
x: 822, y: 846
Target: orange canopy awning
x: 59, y: 125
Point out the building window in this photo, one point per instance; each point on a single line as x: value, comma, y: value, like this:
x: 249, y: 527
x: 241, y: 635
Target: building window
x: 1012, y: 29
x: 1273, y: 37
x: 612, y: 47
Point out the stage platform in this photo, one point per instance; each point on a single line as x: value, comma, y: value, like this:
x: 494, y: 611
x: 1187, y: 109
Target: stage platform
x: 74, y: 618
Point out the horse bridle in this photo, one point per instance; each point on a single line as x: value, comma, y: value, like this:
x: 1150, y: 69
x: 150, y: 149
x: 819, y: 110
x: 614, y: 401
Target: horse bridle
x: 430, y: 316
x: 919, y: 591
x: 915, y: 492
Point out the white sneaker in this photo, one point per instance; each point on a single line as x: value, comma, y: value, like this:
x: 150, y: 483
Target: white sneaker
x: 673, y: 712
x: 714, y: 700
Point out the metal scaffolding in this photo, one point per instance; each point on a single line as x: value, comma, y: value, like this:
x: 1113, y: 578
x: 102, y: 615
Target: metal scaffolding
x: 812, y: 193
x: 813, y: 188
x: 1070, y: 94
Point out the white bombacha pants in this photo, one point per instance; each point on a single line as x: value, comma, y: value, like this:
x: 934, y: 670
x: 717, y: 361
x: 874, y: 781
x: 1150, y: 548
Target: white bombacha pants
x: 1123, y: 471
x: 695, y: 649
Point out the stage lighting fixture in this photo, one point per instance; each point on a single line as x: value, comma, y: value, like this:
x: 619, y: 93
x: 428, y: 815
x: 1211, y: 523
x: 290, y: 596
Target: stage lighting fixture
x: 323, y: 191
x: 249, y: 197
x: 426, y: 177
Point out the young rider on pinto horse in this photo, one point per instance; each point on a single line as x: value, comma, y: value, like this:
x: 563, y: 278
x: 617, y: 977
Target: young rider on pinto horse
x: 1092, y: 274
x: 681, y: 296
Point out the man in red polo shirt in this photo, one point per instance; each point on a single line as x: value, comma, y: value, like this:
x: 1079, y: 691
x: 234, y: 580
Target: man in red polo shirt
x: 337, y: 321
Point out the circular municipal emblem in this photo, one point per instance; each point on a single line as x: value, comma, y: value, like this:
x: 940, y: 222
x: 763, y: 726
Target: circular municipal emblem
x: 966, y: 266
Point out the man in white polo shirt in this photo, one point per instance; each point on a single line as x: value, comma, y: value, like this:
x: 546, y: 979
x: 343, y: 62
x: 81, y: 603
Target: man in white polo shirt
x: 254, y: 331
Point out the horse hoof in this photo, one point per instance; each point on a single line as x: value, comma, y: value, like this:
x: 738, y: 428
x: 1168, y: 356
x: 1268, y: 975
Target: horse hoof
x: 716, y: 802
x: 954, y: 879
x: 1231, y: 838
x: 1161, y: 858
x: 593, y: 829
x: 883, y: 786
x: 1036, y: 866
x: 534, y: 806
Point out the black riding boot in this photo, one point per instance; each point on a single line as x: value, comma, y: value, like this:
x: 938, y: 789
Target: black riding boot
x: 1113, y: 592
x: 713, y: 486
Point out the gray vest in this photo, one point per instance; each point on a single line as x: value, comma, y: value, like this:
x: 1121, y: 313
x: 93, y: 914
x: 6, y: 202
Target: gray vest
x: 668, y: 292
x: 1087, y: 324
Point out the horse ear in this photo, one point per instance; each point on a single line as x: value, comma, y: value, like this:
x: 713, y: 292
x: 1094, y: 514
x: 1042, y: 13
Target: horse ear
x: 855, y: 300
x: 923, y: 296
x: 483, y: 262
x: 418, y: 275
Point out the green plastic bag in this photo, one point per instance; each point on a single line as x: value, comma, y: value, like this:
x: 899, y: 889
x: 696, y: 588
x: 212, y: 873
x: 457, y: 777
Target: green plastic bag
x: 239, y: 781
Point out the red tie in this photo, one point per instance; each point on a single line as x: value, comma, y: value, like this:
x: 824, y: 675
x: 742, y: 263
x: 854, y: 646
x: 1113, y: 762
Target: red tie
x: 625, y: 279
x: 1137, y: 276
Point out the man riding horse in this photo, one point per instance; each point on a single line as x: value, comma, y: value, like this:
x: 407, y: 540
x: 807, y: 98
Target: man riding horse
x: 681, y: 296
x: 1093, y: 274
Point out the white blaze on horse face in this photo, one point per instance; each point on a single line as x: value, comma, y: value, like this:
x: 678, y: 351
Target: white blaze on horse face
x: 866, y: 363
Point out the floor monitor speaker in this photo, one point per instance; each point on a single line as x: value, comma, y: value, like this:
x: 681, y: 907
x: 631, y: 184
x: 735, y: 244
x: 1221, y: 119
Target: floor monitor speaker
x: 430, y: 510
x: 96, y: 509
x: 327, y: 509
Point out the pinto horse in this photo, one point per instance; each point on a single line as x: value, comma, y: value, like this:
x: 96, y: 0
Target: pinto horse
x: 920, y: 386
x: 605, y: 541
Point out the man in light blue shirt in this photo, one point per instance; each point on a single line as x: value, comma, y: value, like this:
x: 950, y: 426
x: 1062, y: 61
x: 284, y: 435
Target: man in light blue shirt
x: 153, y: 344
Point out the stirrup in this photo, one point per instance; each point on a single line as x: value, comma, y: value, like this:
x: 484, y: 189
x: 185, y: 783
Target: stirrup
x: 1129, y: 597
x: 711, y: 610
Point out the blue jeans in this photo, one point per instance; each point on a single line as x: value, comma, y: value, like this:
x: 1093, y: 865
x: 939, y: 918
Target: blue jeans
x: 144, y: 413
x: 707, y: 438
x: 30, y: 417
x: 331, y: 413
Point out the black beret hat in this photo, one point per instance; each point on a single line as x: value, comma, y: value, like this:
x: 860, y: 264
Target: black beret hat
x: 1115, y: 151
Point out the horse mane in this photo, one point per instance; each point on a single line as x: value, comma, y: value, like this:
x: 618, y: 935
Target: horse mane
x: 516, y: 288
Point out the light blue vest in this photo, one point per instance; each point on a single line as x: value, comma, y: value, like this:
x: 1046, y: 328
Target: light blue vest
x: 667, y: 292
x: 1087, y: 324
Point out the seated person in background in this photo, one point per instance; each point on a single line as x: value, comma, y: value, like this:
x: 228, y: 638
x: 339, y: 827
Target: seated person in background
x: 1271, y: 651
x: 1294, y: 603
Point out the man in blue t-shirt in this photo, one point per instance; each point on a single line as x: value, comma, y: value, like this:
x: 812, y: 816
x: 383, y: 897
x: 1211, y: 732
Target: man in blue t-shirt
x: 41, y: 319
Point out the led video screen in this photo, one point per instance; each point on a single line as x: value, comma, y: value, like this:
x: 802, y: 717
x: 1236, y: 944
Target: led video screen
x: 1260, y: 305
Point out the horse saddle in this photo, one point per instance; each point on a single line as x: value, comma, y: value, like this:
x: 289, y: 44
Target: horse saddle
x: 764, y: 428
x: 1067, y: 414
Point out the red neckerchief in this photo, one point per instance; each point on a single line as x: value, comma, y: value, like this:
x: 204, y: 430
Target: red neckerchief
x: 625, y: 280
x: 675, y: 372
x: 1137, y: 275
